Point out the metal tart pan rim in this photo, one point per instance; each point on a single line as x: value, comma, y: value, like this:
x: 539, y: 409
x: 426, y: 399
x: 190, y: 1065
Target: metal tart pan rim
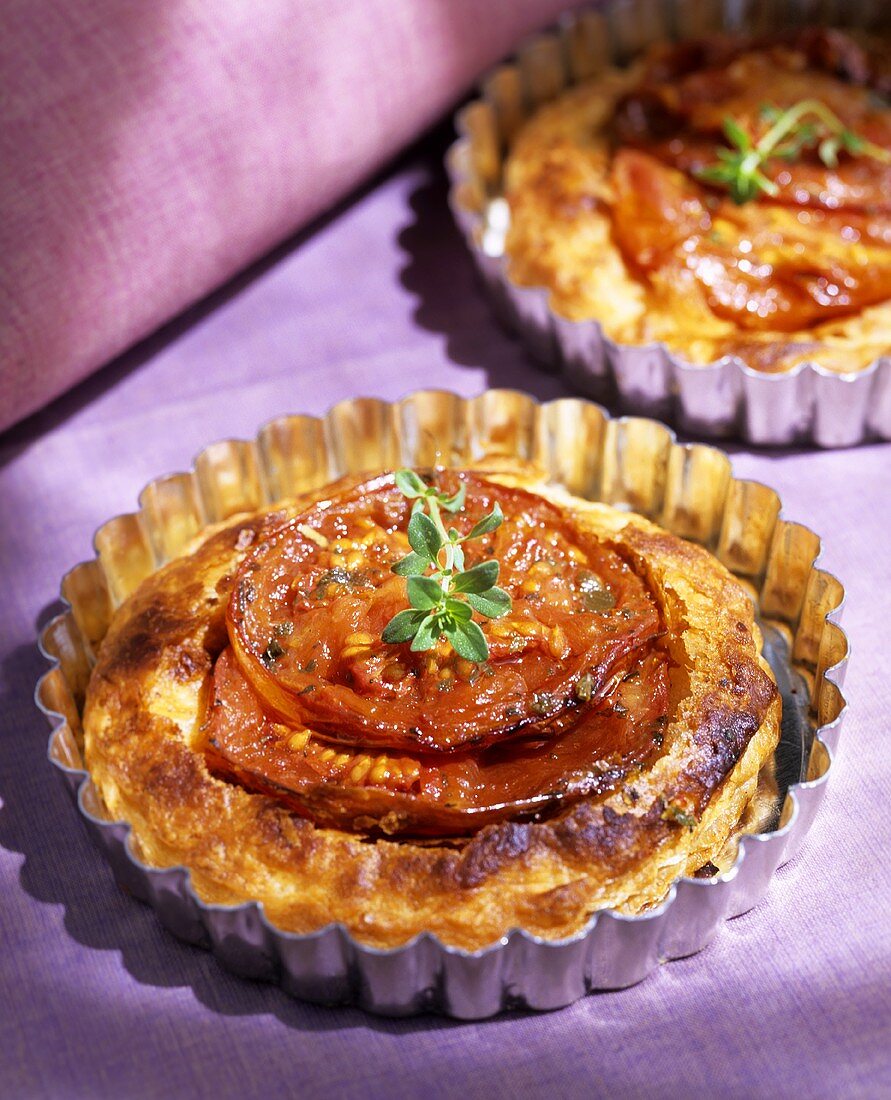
x: 113, y: 837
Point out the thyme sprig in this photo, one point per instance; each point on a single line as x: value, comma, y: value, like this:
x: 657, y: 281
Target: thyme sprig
x: 806, y: 125
x: 443, y: 594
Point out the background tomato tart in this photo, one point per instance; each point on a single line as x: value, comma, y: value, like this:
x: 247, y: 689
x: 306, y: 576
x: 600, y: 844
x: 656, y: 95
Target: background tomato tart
x: 727, y: 196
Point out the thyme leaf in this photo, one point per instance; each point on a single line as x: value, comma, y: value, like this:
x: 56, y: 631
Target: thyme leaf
x: 808, y: 124
x: 443, y: 595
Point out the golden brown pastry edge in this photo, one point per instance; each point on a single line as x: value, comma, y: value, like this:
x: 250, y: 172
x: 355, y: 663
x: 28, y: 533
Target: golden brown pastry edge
x: 146, y: 694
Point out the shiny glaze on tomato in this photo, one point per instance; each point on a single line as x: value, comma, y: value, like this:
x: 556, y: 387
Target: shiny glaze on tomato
x: 311, y: 601
x: 310, y: 706
x: 587, y: 751
x: 820, y: 249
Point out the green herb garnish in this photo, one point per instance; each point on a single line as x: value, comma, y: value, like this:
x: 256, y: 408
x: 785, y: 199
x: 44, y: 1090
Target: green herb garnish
x: 442, y: 594
x: 271, y: 653
x: 675, y: 813
x: 595, y: 595
x: 584, y: 687
x: 543, y: 703
x: 809, y: 124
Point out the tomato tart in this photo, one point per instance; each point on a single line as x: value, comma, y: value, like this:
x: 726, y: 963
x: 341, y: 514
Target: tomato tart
x: 548, y: 708
x: 725, y: 197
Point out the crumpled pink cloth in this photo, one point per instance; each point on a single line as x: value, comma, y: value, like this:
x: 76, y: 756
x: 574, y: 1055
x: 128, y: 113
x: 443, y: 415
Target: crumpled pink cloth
x: 149, y: 151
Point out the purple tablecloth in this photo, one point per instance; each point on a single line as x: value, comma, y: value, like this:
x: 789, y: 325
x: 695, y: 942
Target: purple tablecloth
x: 97, y: 1000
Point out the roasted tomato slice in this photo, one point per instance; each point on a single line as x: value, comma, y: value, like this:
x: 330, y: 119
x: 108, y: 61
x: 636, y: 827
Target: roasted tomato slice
x: 311, y: 602
x: 763, y: 265
x: 817, y: 250
x: 592, y: 747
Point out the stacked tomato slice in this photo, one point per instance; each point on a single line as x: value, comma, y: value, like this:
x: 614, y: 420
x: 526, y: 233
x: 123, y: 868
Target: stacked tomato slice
x: 310, y: 706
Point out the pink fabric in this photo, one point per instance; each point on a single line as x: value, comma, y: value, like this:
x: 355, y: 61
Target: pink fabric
x: 149, y: 151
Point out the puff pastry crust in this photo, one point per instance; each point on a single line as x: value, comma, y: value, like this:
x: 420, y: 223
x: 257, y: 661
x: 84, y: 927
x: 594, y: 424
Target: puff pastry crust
x: 146, y: 720
x: 608, y: 210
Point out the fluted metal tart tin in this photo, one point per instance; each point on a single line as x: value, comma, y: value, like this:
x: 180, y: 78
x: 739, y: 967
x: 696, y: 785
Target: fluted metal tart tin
x: 630, y: 463
x: 726, y: 398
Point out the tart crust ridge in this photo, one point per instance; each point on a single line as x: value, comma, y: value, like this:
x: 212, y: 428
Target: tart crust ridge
x: 142, y: 742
